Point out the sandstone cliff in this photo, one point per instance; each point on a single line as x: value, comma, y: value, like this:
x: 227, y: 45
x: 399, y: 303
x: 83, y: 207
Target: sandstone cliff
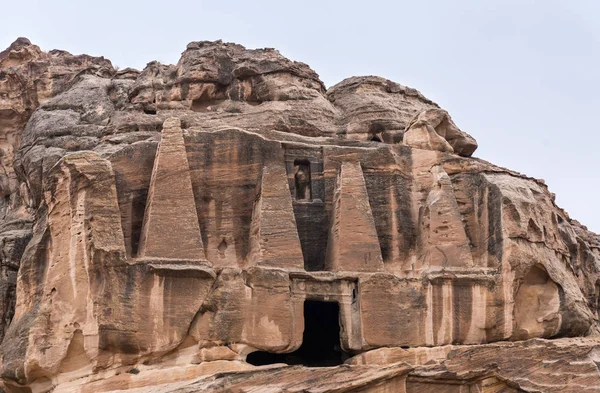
x: 191, y: 227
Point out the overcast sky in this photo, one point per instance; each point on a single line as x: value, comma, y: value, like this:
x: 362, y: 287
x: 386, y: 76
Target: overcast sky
x: 521, y: 76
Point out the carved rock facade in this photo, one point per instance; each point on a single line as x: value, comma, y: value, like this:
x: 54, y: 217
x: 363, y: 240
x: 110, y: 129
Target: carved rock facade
x: 191, y: 227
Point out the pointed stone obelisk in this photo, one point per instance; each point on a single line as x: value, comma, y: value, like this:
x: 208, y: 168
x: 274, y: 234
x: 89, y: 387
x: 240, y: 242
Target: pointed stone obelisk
x: 274, y: 239
x: 353, y: 243
x: 171, y: 229
x: 448, y: 244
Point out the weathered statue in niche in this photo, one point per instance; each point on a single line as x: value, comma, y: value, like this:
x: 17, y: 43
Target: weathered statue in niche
x: 302, y: 180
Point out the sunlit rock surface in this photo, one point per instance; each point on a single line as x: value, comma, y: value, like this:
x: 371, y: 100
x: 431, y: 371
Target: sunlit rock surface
x: 228, y: 224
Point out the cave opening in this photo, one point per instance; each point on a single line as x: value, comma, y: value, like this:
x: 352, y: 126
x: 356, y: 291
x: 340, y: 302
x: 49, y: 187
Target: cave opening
x: 207, y: 100
x: 321, y: 345
x: 375, y: 138
x: 537, y: 303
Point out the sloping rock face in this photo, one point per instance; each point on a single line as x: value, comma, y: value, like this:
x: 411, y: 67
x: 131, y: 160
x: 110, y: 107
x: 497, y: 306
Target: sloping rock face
x: 198, y: 226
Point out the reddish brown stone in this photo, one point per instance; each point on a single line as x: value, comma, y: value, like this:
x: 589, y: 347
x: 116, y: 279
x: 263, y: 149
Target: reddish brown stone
x: 167, y: 230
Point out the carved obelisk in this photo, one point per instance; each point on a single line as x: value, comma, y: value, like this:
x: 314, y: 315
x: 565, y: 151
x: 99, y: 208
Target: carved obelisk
x: 171, y: 229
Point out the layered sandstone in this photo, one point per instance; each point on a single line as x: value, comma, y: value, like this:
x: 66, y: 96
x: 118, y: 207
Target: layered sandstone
x: 195, y: 227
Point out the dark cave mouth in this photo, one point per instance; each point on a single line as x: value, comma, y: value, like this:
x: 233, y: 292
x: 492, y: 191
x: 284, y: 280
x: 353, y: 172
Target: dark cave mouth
x: 321, y: 346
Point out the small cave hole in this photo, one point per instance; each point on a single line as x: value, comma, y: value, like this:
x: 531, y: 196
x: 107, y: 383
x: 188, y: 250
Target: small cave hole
x: 206, y: 101
x: 302, y: 180
x: 150, y: 111
x: 321, y: 345
x: 375, y: 138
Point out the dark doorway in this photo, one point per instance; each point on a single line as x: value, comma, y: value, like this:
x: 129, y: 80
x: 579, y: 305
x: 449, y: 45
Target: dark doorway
x: 320, y: 341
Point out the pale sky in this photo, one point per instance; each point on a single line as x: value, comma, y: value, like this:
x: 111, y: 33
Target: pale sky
x: 521, y: 76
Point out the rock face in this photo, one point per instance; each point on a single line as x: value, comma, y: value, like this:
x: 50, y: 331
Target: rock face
x: 195, y: 227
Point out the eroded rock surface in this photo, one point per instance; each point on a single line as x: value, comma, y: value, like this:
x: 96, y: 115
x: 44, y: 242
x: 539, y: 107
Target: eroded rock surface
x: 198, y: 226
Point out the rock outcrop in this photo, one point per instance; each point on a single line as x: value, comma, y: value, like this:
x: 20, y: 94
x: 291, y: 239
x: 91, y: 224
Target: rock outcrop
x: 228, y: 224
